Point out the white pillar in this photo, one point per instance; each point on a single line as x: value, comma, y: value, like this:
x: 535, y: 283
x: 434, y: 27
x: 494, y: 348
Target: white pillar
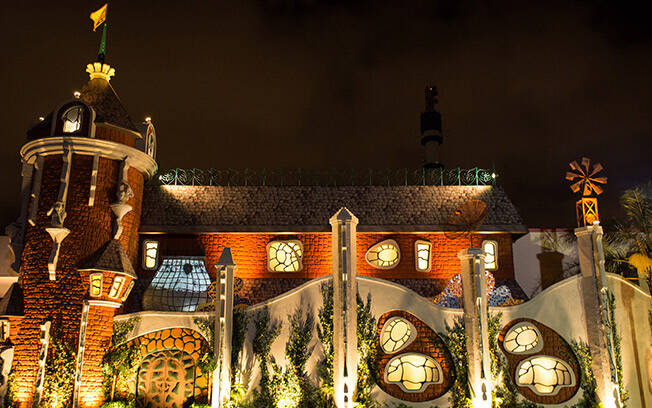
x: 345, y: 316
x: 596, y: 313
x: 223, y: 329
x: 474, y: 288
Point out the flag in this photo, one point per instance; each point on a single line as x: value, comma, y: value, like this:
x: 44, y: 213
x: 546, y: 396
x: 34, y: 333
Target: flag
x: 99, y: 16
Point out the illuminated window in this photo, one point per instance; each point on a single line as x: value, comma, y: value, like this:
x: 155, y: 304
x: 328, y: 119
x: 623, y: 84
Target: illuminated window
x: 523, y: 338
x: 384, y: 255
x: 96, y: 284
x: 396, y: 334
x: 413, y: 372
x: 180, y: 284
x: 72, y: 119
x: 422, y: 255
x: 4, y: 330
x: 545, y: 375
x: 116, y: 287
x: 284, y: 256
x: 128, y: 291
x: 150, y: 254
x: 490, y: 249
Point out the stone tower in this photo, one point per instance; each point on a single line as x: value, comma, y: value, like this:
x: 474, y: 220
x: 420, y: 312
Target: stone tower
x: 84, y: 168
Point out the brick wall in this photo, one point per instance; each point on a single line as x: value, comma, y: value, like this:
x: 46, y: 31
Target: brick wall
x: 61, y: 301
x: 115, y: 135
x: 428, y: 343
x: 553, y: 345
x: 249, y: 254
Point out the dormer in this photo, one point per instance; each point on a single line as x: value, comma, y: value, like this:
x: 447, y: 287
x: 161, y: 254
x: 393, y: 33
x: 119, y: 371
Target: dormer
x: 74, y: 118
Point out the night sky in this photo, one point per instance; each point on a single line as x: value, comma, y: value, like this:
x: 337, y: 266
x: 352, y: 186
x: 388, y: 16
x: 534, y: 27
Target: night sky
x: 324, y: 84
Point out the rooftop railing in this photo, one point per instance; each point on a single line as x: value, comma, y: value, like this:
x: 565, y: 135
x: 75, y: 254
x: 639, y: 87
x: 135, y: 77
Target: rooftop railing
x: 336, y: 177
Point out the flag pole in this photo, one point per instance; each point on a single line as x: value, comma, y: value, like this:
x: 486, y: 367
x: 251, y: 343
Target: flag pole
x: 102, y: 52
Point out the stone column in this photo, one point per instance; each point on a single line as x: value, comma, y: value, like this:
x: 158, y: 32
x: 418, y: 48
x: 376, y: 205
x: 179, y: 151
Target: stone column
x: 345, y: 316
x: 474, y: 287
x: 596, y: 312
x: 223, y: 329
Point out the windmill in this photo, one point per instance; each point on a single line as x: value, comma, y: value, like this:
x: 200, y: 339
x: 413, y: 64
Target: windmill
x: 466, y: 219
x: 585, y: 180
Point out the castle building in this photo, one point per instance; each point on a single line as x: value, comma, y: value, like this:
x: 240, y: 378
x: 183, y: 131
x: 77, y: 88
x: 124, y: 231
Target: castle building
x: 131, y: 279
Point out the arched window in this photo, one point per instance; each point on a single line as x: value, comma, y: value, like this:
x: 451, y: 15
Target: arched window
x: 422, y: 251
x: 490, y: 249
x: 397, y: 334
x: 96, y: 284
x: 413, y: 372
x: 544, y: 375
x: 72, y: 119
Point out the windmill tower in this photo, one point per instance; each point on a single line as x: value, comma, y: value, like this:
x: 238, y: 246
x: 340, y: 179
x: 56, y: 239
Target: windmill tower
x: 584, y: 179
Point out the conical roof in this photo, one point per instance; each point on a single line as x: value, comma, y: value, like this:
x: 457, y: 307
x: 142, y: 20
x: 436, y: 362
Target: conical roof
x: 102, y: 97
x: 110, y: 258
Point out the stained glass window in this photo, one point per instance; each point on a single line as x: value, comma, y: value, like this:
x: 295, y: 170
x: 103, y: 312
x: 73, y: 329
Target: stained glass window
x: 545, y: 375
x: 72, y: 119
x: 422, y: 255
x: 116, y: 287
x: 180, y: 284
x: 490, y: 249
x: 413, y: 372
x: 384, y: 255
x: 284, y: 256
x: 523, y: 338
x: 150, y: 254
x: 396, y: 334
x: 96, y: 284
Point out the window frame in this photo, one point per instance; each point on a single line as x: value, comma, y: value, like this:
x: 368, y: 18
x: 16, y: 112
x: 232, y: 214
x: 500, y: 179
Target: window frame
x: 385, y: 329
x: 80, y: 120
x: 517, y: 326
x: 101, y: 279
x: 128, y: 291
x: 120, y: 280
x: 424, y: 384
x: 416, y: 255
x: 495, y: 254
x: 157, y: 257
x: 385, y: 241
x: 5, y: 330
x: 532, y: 387
x: 285, y: 241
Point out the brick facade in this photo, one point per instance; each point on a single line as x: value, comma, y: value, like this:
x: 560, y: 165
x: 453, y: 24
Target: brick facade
x: 61, y: 301
x: 428, y: 343
x: 553, y: 345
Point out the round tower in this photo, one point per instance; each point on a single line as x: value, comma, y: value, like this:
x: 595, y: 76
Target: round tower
x: 84, y: 168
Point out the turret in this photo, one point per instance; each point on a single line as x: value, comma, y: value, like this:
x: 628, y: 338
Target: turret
x: 431, y: 136
x: 84, y: 168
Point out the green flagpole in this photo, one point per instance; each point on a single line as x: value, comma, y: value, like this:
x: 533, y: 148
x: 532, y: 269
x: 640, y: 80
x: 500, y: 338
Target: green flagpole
x: 102, y: 53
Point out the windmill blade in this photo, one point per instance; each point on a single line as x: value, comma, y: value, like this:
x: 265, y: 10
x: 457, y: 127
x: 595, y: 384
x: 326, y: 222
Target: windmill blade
x: 573, y: 165
x: 571, y: 176
x: 576, y: 187
x: 587, y: 188
x: 601, y: 180
x: 596, y: 169
x: 598, y: 190
x: 586, y: 162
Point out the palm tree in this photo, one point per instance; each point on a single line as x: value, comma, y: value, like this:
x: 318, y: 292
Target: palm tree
x: 628, y: 241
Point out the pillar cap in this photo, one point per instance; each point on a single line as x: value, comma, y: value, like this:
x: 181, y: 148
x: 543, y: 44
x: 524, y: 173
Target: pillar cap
x: 100, y: 70
x: 343, y: 215
x: 469, y: 253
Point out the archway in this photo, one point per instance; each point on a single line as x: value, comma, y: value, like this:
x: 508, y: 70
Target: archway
x: 166, y: 379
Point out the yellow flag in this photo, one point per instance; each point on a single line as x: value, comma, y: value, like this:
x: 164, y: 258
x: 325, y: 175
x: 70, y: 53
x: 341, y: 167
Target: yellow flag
x: 99, y: 16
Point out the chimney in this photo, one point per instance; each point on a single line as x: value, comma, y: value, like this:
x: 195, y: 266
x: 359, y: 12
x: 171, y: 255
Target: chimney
x: 431, y: 137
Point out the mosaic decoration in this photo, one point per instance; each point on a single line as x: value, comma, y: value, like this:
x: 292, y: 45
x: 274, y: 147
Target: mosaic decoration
x: 413, y: 362
x: 451, y: 296
x: 413, y: 372
x: 523, y: 338
x: 180, y: 284
x: 541, y: 363
x: 545, y: 375
x: 165, y: 379
x: 396, y: 334
x: 239, y: 301
x: 177, y: 339
x: 384, y: 255
x: 284, y: 256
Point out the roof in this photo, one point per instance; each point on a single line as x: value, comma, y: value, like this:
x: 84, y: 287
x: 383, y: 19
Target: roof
x: 108, y: 108
x: 187, y: 209
x: 110, y: 258
x: 12, y: 303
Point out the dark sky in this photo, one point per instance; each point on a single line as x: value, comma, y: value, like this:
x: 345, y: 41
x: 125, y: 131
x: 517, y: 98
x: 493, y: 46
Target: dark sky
x: 322, y: 84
